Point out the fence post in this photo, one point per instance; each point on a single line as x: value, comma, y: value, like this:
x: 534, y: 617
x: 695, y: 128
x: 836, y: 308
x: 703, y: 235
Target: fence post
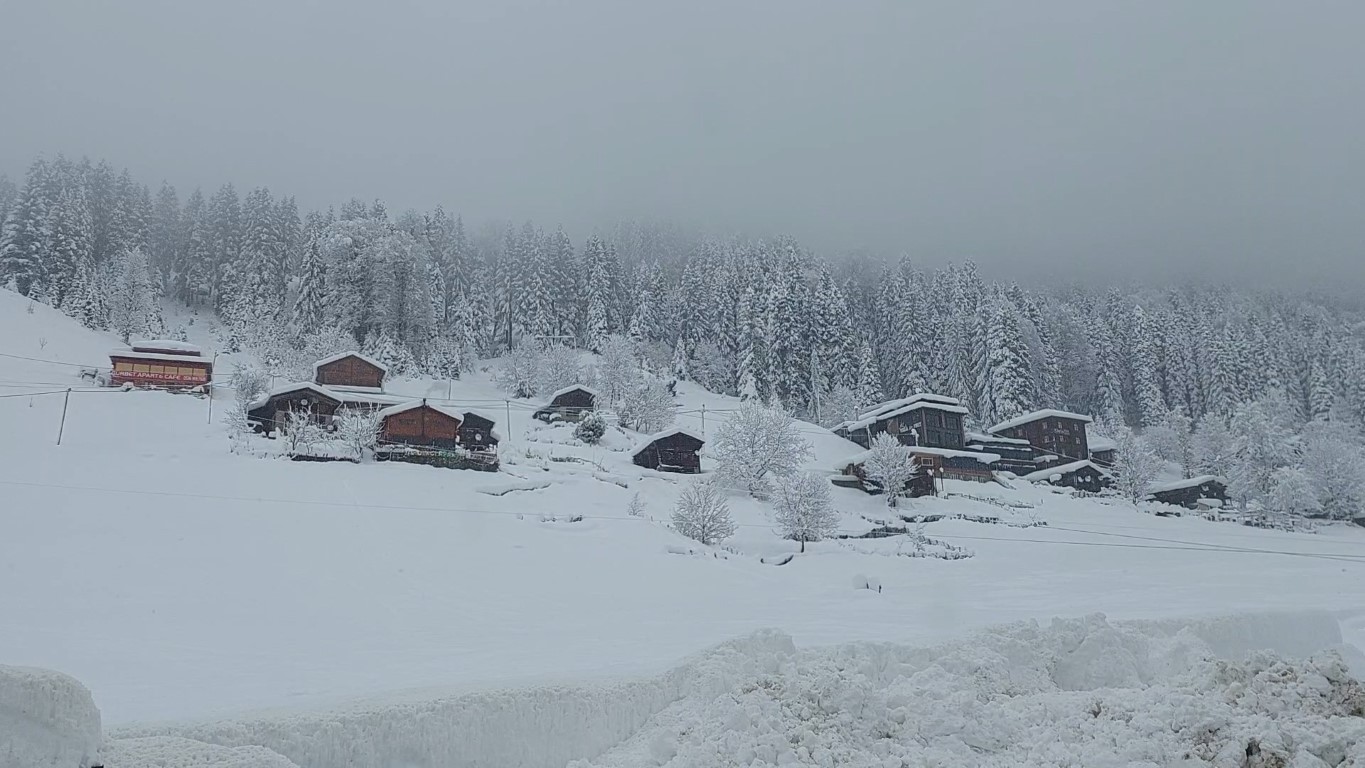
x: 61, y: 428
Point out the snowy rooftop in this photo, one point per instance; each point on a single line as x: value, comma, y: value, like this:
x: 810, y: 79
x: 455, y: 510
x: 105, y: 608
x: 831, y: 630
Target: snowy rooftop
x: 1062, y: 469
x: 285, y: 389
x: 134, y: 354
x: 572, y: 388
x: 651, y: 439
x: 1046, y: 413
x: 891, y: 405
x: 1192, y: 482
x: 905, y: 406
x: 411, y: 404
x: 947, y: 453
x: 1100, y: 443
x: 344, y: 355
x: 166, y: 345
x: 981, y: 437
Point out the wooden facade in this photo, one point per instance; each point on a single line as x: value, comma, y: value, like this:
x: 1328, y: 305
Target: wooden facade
x: 272, y: 412
x: 673, y: 451
x: 1015, y: 455
x: 971, y: 468
x: 1191, y: 493
x: 420, y: 425
x: 478, y: 433
x: 162, y: 365
x: 568, y: 404
x: 920, y: 483
x: 1081, y: 475
x: 933, y: 421
x: 1049, y: 432
x: 349, y: 369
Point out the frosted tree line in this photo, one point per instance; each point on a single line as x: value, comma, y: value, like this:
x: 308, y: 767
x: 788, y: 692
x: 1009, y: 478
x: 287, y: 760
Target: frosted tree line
x: 763, y: 319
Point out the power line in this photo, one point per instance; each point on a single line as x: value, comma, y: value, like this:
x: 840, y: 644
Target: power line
x: 50, y: 362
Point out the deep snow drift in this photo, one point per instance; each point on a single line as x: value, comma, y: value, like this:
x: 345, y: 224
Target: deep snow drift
x: 1077, y: 692
x: 47, y: 720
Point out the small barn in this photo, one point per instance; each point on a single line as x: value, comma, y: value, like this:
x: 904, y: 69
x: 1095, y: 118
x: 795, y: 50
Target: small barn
x: 160, y: 363
x: 673, y: 450
x: 570, y: 404
x: 1081, y: 475
x: 478, y: 432
x: 350, y: 369
x: 419, y: 423
x: 272, y: 411
x: 1191, y: 493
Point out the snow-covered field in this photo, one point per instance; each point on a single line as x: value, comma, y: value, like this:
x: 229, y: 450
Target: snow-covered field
x: 183, y: 583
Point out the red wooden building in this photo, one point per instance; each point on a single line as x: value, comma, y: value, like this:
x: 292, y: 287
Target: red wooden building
x: 418, y: 423
x: 351, y: 370
x: 160, y: 363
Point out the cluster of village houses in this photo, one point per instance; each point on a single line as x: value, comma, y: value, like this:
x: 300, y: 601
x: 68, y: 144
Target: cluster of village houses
x: 1045, y: 446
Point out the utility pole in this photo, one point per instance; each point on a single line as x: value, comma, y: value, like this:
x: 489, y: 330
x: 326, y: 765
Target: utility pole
x: 703, y: 420
x: 212, y: 365
x: 62, y: 427
x: 507, y: 405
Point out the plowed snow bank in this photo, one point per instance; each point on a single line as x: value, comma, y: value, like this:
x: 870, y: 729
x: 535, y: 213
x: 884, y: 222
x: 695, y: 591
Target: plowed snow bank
x: 46, y: 719
x: 1087, y: 691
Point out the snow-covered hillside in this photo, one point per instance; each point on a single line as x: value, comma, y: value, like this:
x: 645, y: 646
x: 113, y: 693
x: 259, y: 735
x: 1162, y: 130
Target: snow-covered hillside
x: 180, y: 581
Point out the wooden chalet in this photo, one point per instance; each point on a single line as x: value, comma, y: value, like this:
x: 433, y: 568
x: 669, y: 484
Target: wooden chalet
x: 1081, y: 475
x: 944, y: 463
x: 568, y: 404
x: 1193, y: 493
x: 1103, y: 450
x: 1015, y: 455
x: 853, y: 473
x: 272, y: 411
x: 160, y: 363
x: 350, y: 369
x: 419, y: 423
x: 1058, y: 434
x: 673, y: 450
x: 929, y: 420
x: 478, y: 432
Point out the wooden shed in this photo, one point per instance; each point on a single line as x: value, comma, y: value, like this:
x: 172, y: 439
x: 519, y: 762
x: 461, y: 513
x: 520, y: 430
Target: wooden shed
x: 160, y: 363
x: 1081, y: 475
x: 478, y: 432
x: 1192, y: 493
x: 349, y: 369
x: 570, y: 404
x: 419, y: 423
x: 272, y: 411
x: 673, y: 450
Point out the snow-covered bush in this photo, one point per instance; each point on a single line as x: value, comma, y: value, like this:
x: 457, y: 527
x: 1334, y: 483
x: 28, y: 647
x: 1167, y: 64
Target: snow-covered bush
x: 1335, y: 464
x: 618, y: 369
x: 636, y: 507
x: 556, y: 367
x: 1136, y: 465
x: 757, y: 442
x: 519, y: 371
x: 358, y: 430
x: 1263, y: 440
x: 701, y: 513
x: 1173, y: 440
x: 301, y: 434
x: 1292, y: 493
x: 591, y: 429
x: 648, y: 407
x: 248, y: 384
x: 888, y: 465
x: 804, y: 510
x: 838, y: 405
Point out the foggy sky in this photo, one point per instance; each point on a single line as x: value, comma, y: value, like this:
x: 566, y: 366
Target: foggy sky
x: 1146, y: 139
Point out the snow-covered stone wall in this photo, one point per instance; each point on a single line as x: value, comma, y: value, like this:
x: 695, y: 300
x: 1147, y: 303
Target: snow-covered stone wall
x: 47, y: 720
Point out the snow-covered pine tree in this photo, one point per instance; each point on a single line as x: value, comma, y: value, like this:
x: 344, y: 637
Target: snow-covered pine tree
x: 132, y: 297
x: 71, y: 257
x: 225, y: 226
x: 597, y: 292
x: 309, y: 308
x: 165, y: 236
x: 1146, y: 367
x: 1007, y: 381
x: 27, y: 233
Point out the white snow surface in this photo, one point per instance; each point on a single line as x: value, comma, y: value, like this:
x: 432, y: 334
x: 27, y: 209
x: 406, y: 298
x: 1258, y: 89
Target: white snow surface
x: 180, y: 581
x: 47, y: 719
x: 171, y: 344
x: 1045, y: 413
x: 1062, y: 469
x: 1081, y: 691
x: 177, y: 752
x: 1191, y: 482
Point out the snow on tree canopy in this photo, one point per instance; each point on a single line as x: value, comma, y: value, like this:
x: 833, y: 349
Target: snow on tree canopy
x: 1029, y: 418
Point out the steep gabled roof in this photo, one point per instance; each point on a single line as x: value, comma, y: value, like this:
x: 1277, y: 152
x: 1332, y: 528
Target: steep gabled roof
x: 295, y: 387
x: 384, y: 413
x: 947, y: 453
x: 1029, y: 418
x: 571, y: 388
x: 894, y: 408
x: 657, y: 436
x: 344, y: 355
x: 1192, y: 482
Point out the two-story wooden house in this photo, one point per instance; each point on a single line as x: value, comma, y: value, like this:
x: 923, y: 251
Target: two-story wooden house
x: 928, y: 420
x: 1056, y: 437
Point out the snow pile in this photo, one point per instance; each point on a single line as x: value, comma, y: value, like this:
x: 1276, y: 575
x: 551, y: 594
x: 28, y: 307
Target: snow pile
x: 46, y: 719
x: 1080, y: 692
x: 546, y: 726
x: 174, y: 752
